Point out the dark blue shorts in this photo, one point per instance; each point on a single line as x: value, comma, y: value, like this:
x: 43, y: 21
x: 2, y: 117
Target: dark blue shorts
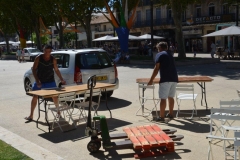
x: 44, y: 85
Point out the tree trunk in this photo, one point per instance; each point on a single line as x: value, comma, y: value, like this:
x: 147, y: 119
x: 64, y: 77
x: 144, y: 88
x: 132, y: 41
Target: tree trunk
x: 61, y: 40
x: 177, y: 17
x: 89, y: 34
x: 37, y: 31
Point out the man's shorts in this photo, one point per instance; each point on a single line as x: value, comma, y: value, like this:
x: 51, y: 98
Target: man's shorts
x: 44, y: 85
x: 167, y: 89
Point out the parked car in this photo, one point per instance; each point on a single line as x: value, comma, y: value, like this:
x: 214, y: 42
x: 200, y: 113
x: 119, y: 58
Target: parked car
x: 76, y: 66
x: 31, y: 53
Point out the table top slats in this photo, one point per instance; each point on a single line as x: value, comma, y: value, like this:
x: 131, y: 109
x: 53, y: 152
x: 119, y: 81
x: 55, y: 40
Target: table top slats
x: 74, y: 88
x: 182, y: 79
x: 156, y: 128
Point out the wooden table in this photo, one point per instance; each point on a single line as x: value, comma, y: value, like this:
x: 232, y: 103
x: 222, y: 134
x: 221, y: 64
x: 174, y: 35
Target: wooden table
x: 45, y: 94
x: 200, y: 80
x: 148, y: 138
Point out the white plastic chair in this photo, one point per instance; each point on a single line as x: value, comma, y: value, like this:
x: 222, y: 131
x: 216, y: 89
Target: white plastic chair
x: 84, y: 103
x: 185, y: 92
x: 147, y: 93
x: 224, y: 105
x: 64, y: 110
x: 225, y: 114
x: 236, y: 145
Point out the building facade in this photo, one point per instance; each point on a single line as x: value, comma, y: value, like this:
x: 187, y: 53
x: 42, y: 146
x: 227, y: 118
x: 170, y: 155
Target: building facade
x: 197, y: 20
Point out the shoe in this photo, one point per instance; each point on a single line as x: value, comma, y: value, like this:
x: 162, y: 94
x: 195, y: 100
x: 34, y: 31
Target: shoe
x: 169, y: 116
x: 160, y: 119
x: 28, y: 119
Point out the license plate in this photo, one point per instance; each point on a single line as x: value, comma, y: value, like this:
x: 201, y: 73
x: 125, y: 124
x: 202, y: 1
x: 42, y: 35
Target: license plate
x: 101, y: 78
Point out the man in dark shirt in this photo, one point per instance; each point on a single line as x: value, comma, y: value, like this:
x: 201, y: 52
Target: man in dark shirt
x: 164, y: 64
x: 42, y: 69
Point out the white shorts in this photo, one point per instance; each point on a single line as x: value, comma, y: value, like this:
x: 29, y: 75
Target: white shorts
x: 167, y: 89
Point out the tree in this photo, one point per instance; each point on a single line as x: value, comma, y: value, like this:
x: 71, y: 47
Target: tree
x: 68, y: 37
x: 82, y: 12
x: 44, y: 39
x: 178, y: 7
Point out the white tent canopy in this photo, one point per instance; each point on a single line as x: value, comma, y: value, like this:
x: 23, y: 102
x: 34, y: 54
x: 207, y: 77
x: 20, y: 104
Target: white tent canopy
x: 105, y: 38
x: 230, y: 31
x: 148, y: 36
x: 130, y: 37
x: 10, y: 42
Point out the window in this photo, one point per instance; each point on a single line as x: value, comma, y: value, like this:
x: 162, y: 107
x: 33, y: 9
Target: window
x: 93, y: 60
x: 158, y: 16
x: 169, y: 13
x: 96, y: 27
x: 138, y: 17
x: 55, y: 32
x: 198, y: 11
x: 184, y: 16
x: 225, y: 9
x: 148, y: 17
x: 104, y: 27
x: 211, y: 9
x: 158, y: 13
x: 62, y: 60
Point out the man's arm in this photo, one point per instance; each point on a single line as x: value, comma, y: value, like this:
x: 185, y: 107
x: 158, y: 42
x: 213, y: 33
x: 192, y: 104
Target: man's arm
x: 34, y: 70
x: 154, y: 74
x: 57, y: 71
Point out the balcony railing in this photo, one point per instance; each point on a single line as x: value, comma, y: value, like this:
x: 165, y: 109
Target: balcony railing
x: 156, y: 22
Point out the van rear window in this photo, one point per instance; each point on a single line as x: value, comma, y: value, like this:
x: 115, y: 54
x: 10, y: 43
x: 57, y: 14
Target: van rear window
x: 93, y: 60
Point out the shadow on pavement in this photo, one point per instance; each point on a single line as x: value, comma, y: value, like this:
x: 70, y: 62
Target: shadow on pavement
x: 113, y: 103
x: 56, y: 136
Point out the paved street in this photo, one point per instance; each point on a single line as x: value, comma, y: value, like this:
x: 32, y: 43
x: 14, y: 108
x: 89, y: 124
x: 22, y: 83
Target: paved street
x: 15, y: 105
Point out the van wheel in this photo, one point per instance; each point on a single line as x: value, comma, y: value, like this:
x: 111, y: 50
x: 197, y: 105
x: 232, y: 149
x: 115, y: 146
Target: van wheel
x: 109, y: 94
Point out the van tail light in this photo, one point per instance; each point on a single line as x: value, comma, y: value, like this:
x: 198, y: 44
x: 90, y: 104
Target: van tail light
x: 77, y: 75
x: 116, y: 72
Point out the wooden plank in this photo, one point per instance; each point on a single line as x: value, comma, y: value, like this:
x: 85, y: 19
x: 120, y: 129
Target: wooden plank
x: 156, y: 128
x: 135, y: 131
x: 143, y: 130
x: 166, y: 137
x: 150, y: 129
x: 136, y: 143
x: 128, y: 131
x: 161, y: 141
x: 151, y: 140
x: 182, y: 79
x: 143, y: 141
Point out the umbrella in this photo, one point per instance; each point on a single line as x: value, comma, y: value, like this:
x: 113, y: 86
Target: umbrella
x: 29, y: 42
x: 10, y: 42
x: 148, y: 36
x: 105, y: 38
x: 230, y: 31
x: 130, y: 37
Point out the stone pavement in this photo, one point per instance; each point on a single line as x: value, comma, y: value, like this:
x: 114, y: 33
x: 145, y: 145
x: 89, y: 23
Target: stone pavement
x: 72, y: 145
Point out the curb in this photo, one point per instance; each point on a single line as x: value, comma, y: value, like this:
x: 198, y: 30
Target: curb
x: 30, y: 149
x: 9, y: 57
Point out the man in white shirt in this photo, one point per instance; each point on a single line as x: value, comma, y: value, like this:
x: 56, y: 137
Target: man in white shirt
x: 213, y: 49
